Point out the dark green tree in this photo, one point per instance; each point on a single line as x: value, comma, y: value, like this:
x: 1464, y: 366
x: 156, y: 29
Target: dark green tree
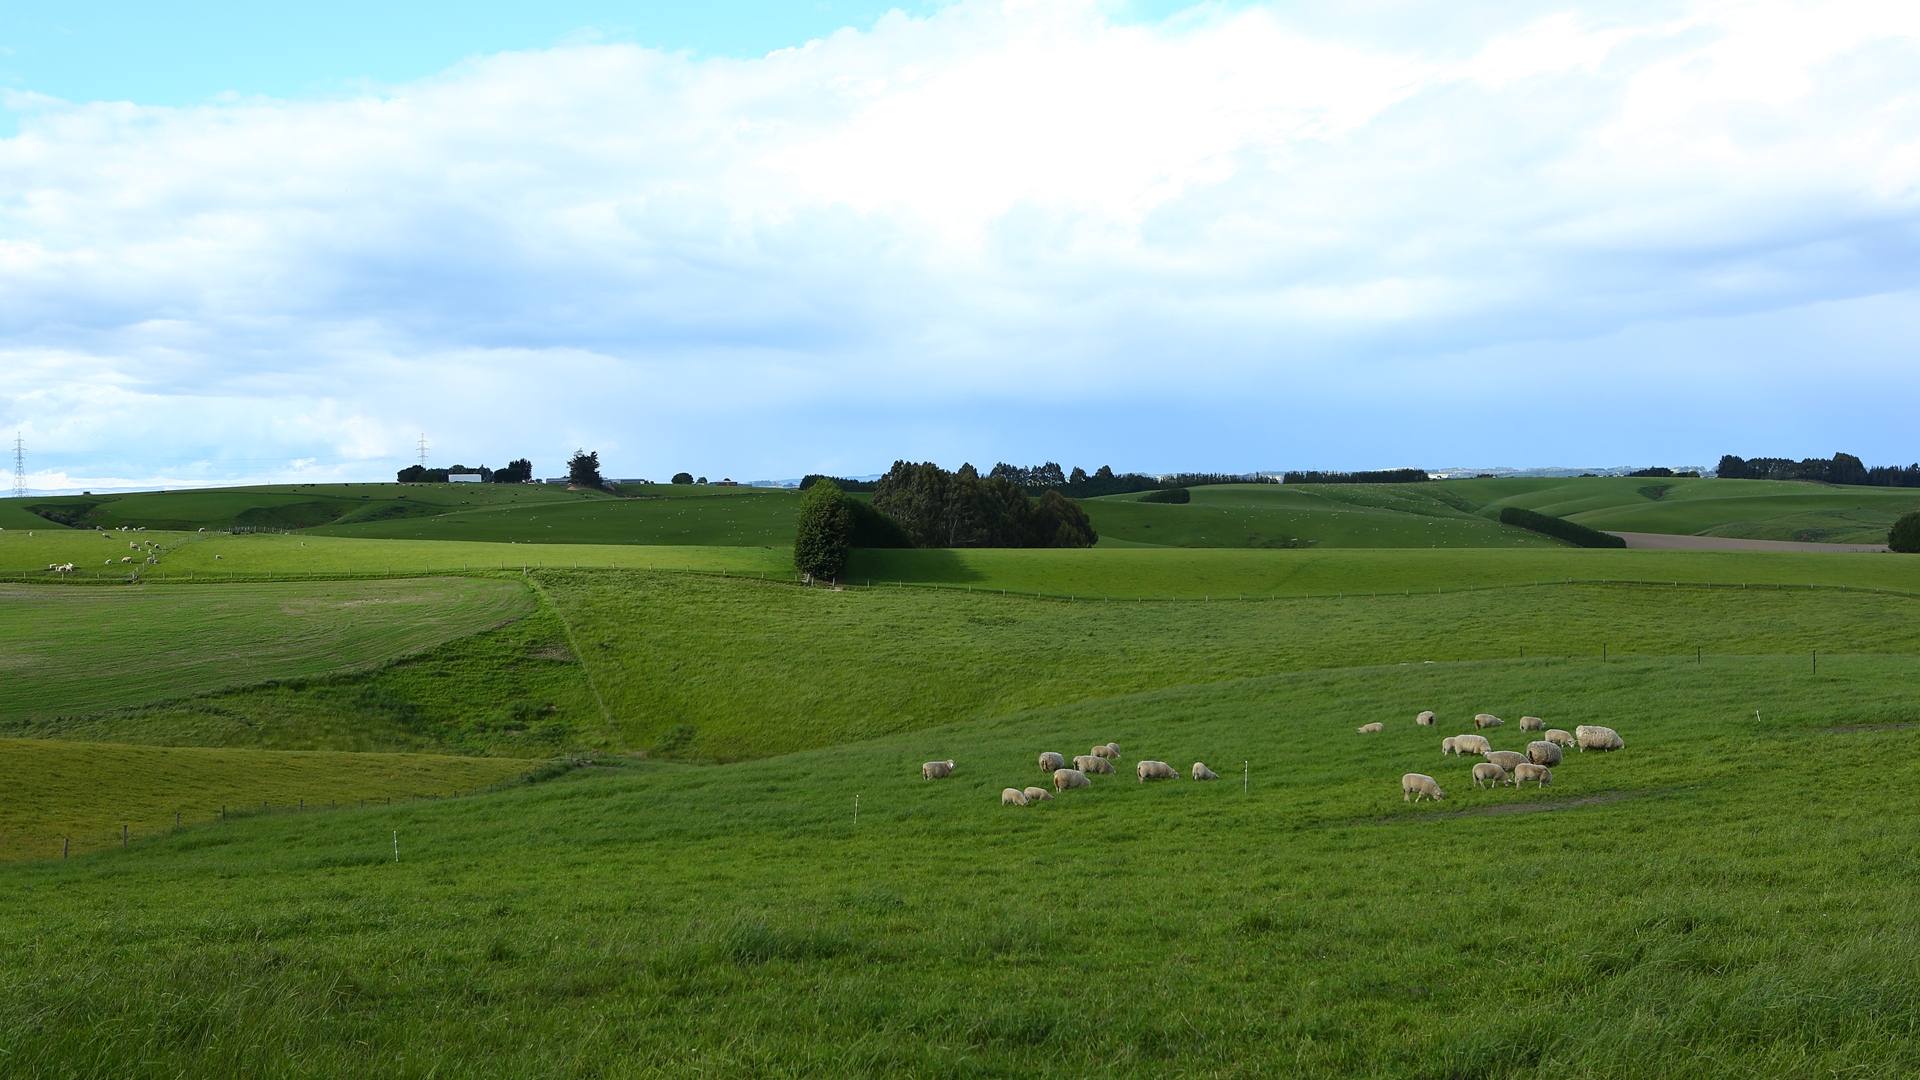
x: 518, y: 471
x: 683, y: 478
x: 824, y: 532
x: 583, y: 469
x: 1906, y: 533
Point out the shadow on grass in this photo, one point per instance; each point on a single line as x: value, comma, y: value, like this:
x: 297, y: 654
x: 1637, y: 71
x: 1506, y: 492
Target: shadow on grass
x: 938, y: 565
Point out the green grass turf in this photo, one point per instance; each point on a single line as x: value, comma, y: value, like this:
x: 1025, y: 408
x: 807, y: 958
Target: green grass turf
x: 84, y: 792
x: 1728, y: 897
x: 1303, y: 516
x: 295, y: 505
x: 740, y: 516
x: 1754, y: 509
x: 76, y: 649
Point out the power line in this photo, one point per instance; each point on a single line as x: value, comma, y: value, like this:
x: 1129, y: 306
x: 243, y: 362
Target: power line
x: 423, y: 449
x: 19, y: 467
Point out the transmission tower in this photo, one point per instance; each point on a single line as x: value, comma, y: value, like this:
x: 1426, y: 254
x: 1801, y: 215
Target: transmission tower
x: 423, y: 449
x: 19, y: 467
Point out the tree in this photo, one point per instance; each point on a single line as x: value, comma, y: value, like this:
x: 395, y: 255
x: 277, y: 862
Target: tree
x: 683, y: 478
x: 583, y: 469
x: 1906, y: 533
x: 824, y: 532
x: 1078, y: 476
x: 702, y: 480
x: 518, y: 471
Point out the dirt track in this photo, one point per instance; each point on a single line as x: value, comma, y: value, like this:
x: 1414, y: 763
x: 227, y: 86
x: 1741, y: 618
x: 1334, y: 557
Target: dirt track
x: 1674, y: 542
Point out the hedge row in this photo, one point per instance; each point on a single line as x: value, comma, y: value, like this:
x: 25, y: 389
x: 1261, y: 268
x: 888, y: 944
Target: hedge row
x: 1560, y: 528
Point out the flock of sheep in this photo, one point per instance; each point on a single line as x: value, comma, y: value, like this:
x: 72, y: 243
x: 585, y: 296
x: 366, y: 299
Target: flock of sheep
x: 1504, y: 766
x: 147, y: 548
x: 1099, y: 762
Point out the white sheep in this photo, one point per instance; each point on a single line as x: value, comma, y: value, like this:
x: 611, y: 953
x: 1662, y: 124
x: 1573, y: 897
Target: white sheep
x: 1038, y: 794
x: 1532, y: 723
x: 131, y: 546
x: 1449, y: 745
x: 1013, y: 796
x: 1486, y: 720
x: 1598, y: 738
x: 1471, y: 744
x: 1069, y: 778
x: 1561, y: 738
x: 1487, y: 774
x: 1156, y: 770
x: 1506, y: 759
x: 1416, y: 786
x: 1425, y: 719
x: 1540, y: 774
x: 1087, y: 763
x: 1201, y: 772
x: 937, y: 770
x: 1368, y: 729
x: 1111, y: 751
x: 1050, y: 761
x: 126, y: 558
x: 1543, y: 753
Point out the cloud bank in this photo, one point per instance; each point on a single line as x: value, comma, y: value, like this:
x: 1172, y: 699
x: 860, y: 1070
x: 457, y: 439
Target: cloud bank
x: 1247, y: 238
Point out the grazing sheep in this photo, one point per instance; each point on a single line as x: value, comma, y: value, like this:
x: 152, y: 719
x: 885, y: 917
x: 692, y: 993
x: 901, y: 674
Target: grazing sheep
x: 1487, y: 774
x: 1087, y: 763
x: 1532, y: 723
x: 131, y: 546
x: 1038, y: 794
x: 1050, y: 761
x: 1013, y: 796
x: 1069, y: 778
x: 1506, y: 759
x: 1368, y: 729
x: 1543, y: 753
x: 1540, y: 774
x: 126, y: 558
x: 1201, y: 772
x: 1598, y: 738
x: 1111, y: 750
x: 1561, y: 738
x: 1471, y: 744
x: 1156, y: 770
x: 1486, y: 720
x: 1425, y: 719
x: 1416, y: 786
x: 937, y: 770
x: 1449, y: 745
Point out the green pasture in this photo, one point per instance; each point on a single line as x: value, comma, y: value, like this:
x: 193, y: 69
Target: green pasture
x: 1731, y: 896
x: 82, y: 793
x: 725, y: 516
x: 1752, y: 509
x: 1302, y: 516
x: 293, y: 506
x: 73, y: 649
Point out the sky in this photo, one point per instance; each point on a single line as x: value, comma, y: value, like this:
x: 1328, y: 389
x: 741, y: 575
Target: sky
x: 759, y: 240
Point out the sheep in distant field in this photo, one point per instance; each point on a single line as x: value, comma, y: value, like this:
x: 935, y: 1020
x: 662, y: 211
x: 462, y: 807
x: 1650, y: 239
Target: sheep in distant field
x: 1561, y: 738
x: 1532, y: 723
x: 1038, y: 794
x: 1425, y: 719
x: 1111, y: 751
x: 1486, y: 720
x: 1368, y: 729
x: 1069, y: 778
x: 1416, y: 786
x: 1156, y: 770
x: 1471, y: 744
x: 1487, y: 774
x: 1087, y: 763
x: 1506, y: 759
x: 1013, y: 796
x: 126, y: 558
x: 131, y: 546
x: 937, y: 770
x: 1050, y: 761
x: 1543, y: 753
x: 1598, y: 738
x: 1201, y: 772
x: 1539, y: 774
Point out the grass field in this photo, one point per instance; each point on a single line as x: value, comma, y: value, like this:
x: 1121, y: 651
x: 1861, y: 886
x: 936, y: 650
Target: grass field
x: 1755, y: 509
x: 67, y: 650
x: 1304, y: 516
x: 739, y: 516
x: 85, y: 792
x: 1729, y: 896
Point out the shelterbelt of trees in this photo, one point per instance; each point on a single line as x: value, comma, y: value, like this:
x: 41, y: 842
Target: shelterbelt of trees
x: 1838, y: 469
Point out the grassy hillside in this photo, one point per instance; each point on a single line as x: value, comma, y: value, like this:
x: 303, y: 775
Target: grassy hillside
x: 1694, y: 906
x: 1754, y: 509
x: 1303, y: 516
x: 731, y: 516
x: 76, y: 649
x: 291, y: 506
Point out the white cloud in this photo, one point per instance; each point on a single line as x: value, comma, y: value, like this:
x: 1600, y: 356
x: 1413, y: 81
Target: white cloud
x: 694, y: 261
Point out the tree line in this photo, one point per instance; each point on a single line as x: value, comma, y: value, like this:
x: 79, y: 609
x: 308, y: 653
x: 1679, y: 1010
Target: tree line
x: 518, y: 471
x: 1838, y: 469
x: 1378, y: 476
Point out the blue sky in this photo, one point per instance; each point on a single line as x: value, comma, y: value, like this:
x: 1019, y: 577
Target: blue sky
x: 769, y: 239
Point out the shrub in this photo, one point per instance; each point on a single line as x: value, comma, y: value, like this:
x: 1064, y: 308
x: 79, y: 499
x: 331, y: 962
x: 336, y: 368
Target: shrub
x: 824, y: 532
x: 1906, y: 533
x: 1169, y: 495
x: 1560, y: 528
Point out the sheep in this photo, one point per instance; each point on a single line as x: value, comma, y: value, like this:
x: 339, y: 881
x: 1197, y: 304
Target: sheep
x: 1368, y: 729
x: 1471, y: 744
x: 1598, y: 738
x: 1013, y: 796
x: 1050, y: 761
x: 1449, y: 745
x: 1486, y: 720
x: 1561, y: 738
x: 1540, y: 774
x: 1087, y: 763
x: 1425, y: 719
x: 1038, y: 794
x: 1506, y: 759
x: 126, y: 558
x: 937, y: 770
x: 1416, y: 786
x: 1111, y: 750
x: 1156, y: 770
x: 1532, y: 723
x: 1069, y: 778
x: 1201, y: 772
x: 1487, y: 774
x: 131, y: 546
x: 1543, y: 753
